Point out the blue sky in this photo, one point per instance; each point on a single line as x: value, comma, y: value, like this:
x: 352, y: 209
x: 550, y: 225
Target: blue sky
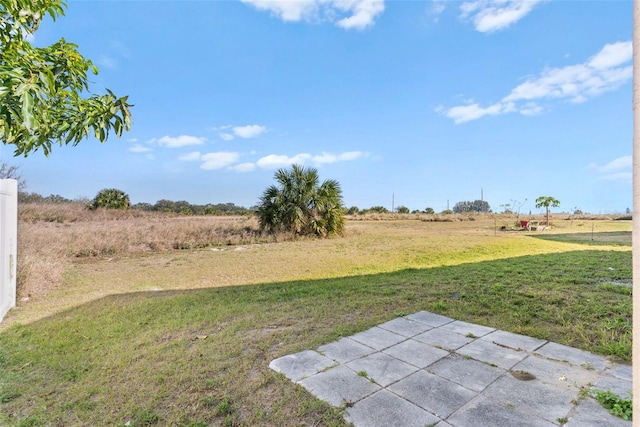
x: 415, y: 103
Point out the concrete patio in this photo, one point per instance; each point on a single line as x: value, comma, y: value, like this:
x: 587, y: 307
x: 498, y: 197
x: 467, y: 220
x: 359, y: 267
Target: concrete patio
x: 426, y: 369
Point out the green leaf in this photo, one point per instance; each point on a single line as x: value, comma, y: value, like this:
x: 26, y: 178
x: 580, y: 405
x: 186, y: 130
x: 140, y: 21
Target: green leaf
x: 27, y: 111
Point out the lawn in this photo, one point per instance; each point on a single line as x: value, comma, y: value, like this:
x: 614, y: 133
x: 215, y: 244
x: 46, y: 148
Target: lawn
x: 184, y: 337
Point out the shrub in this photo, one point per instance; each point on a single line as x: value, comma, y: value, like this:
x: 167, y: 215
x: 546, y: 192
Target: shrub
x: 110, y: 198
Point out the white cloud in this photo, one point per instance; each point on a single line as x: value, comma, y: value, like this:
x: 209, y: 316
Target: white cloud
x: 612, y: 55
x: 604, y: 72
x: 229, y: 133
x: 249, y: 131
x: 178, y: 141
x: 531, y: 109
x: 621, y: 163
x: 107, y: 61
x: 616, y: 170
x: 244, y: 167
x: 347, y: 14
x: 466, y: 113
x: 437, y: 7
x: 190, y: 157
x: 493, y: 15
x: 218, y: 160
x: 618, y: 176
x: 364, y: 13
x: 273, y: 161
x: 138, y: 148
x: 326, y: 158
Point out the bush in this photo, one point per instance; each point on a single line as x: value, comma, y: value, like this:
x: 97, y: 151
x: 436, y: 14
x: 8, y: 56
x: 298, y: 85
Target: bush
x: 110, y: 198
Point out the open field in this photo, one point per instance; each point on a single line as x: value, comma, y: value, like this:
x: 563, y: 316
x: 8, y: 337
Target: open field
x: 168, y: 336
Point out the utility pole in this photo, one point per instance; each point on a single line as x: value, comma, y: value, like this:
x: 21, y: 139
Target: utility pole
x: 482, y: 194
x: 393, y: 201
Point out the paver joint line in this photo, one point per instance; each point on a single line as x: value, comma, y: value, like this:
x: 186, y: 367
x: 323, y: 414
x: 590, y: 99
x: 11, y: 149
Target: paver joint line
x: 426, y: 368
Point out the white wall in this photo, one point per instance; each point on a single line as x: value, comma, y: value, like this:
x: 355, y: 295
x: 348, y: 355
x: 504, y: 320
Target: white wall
x: 8, y: 244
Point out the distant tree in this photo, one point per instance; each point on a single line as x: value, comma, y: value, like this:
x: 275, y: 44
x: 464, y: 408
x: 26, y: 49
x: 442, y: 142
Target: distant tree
x: 446, y: 212
x: 402, y: 210
x: 56, y: 198
x: 110, y: 198
x: 41, y: 95
x: 8, y: 171
x: 25, y: 197
x: 301, y: 204
x: 211, y: 210
x: 429, y: 211
x: 164, y: 205
x: 480, y: 206
x: 546, y: 202
x: 353, y: 210
x: 185, y: 210
x: 143, y: 206
x: 377, y: 209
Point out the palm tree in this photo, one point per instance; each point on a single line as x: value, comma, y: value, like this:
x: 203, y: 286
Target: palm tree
x: 302, y: 206
x: 110, y: 198
x: 546, y: 201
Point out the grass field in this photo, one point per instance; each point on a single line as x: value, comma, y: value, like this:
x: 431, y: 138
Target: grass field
x: 184, y: 337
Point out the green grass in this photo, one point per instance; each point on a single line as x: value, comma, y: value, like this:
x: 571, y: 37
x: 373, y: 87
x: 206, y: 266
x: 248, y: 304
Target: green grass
x: 195, y: 357
x: 620, y: 238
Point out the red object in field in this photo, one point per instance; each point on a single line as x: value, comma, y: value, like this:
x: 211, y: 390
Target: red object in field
x: 524, y: 224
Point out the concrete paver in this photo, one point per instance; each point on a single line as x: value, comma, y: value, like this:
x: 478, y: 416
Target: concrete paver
x: 384, y: 409
x: 339, y: 386
x: 470, y: 330
x: 535, y: 397
x: 345, y: 350
x: 405, y: 327
x: 437, y: 395
x: 381, y: 368
x: 443, y: 339
x: 492, y: 354
x: 466, y: 372
x: 514, y: 341
x: 572, y: 355
x: 425, y: 368
x: 378, y: 338
x: 416, y: 353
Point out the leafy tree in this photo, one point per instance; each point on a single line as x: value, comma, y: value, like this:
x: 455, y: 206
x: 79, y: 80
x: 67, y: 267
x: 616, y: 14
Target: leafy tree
x: 546, y: 202
x: 377, y: 209
x: 110, y: 198
x: 429, y: 211
x: 42, y: 88
x: 475, y: 206
x: 301, y: 205
x: 402, y: 209
x: 143, y: 206
x: 353, y: 210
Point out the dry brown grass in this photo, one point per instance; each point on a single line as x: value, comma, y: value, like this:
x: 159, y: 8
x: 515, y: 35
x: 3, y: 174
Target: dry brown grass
x: 52, y: 236
x: 55, y: 237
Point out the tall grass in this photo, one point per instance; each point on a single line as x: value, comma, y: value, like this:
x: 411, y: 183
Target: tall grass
x: 53, y: 235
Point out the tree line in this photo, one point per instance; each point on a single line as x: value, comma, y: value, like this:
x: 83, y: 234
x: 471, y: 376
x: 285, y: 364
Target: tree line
x: 117, y: 199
